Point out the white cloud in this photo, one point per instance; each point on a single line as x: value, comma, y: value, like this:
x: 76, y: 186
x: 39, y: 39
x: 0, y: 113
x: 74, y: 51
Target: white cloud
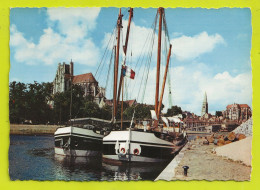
x: 184, y: 47
x: 189, y: 84
x: 139, y: 39
x: 188, y: 48
x: 223, y: 76
x: 71, y: 41
x: 222, y: 89
x: 74, y: 22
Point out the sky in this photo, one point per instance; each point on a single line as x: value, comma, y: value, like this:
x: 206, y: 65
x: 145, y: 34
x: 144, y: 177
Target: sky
x: 210, y: 51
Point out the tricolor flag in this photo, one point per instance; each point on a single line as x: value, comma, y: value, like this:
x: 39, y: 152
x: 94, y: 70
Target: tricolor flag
x: 127, y: 71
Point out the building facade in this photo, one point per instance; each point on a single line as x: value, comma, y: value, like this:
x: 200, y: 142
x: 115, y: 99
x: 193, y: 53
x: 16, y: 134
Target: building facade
x: 239, y: 112
x: 65, y: 77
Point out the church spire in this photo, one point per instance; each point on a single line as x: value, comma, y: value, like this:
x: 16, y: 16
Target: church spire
x: 205, y: 97
x: 204, y: 109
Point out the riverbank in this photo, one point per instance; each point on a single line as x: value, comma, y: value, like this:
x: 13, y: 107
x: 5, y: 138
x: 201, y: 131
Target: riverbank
x: 22, y: 129
x: 204, y: 164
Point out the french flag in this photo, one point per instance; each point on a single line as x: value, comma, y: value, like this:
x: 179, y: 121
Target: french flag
x: 127, y: 71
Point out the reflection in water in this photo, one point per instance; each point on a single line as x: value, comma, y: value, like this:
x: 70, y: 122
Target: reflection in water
x: 131, y: 171
x: 77, y: 168
x: 33, y: 158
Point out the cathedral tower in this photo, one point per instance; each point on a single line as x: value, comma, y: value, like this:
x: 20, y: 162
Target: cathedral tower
x: 204, y: 109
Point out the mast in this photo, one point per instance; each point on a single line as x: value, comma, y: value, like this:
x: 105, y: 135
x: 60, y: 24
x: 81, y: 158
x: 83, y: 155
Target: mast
x: 71, y: 77
x: 125, y: 50
x: 119, y: 26
x: 164, y: 78
x: 161, y: 11
x: 113, y: 115
x: 70, y: 97
x: 122, y: 103
x: 128, y: 29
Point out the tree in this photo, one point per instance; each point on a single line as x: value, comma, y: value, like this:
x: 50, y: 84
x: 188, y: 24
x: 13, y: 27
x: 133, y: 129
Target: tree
x: 118, y: 113
x: 17, y: 102
x: 142, y: 111
x: 77, y: 101
x: 30, y: 102
x: 174, y: 110
x: 37, y: 107
x: 218, y: 113
x: 106, y: 112
x: 91, y: 109
x: 68, y: 102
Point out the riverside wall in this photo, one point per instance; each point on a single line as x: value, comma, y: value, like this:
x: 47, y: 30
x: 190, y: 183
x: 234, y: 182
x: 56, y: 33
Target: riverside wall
x: 23, y: 129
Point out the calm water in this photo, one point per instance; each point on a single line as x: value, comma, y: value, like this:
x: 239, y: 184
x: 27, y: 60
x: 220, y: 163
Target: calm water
x: 33, y: 158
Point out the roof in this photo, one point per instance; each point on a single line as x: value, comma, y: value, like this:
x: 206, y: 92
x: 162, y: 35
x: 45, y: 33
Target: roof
x: 238, y: 105
x: 244, y: 106
x: 87, y: 77
x: 129, y: 102
x: 109, y: 102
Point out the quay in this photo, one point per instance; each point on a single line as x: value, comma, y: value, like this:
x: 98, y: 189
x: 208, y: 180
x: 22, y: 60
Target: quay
x: 22, y: 129
x: 220, y: 156
x: 205, y: 164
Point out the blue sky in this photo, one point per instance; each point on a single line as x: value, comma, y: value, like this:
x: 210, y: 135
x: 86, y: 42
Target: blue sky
x: 211, y: 49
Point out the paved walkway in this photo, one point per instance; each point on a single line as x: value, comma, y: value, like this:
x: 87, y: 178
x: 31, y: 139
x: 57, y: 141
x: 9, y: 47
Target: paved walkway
x: 204, y: 164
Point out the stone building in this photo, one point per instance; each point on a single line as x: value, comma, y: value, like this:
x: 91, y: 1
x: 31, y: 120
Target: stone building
x: 204, y: 109
x: 239, y: 112
x: 64, y: 76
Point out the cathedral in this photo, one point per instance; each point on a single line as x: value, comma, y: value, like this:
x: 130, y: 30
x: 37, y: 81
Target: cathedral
x: 65, y: 77
x: 239, y: 112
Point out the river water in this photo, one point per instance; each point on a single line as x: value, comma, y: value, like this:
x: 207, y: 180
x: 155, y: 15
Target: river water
x: 33, y: 158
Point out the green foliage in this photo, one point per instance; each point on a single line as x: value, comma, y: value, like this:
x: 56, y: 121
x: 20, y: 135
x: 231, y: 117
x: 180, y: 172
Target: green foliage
x: 32, y: 102
x: 218, y: 113
x: 142, y: 111
x: 118, y: 114
x: 29, y: 102
x: 174, y: 110
x: 17, y: 102
x: 89, y: 98
x: 91, y: 109
x: 106, y: 112
x: 64, y: 109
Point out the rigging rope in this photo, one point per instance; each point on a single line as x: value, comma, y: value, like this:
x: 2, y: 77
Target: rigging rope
x: 105, y: 51
x: 170, y: 65
x: 111, y: 58
x: 170, y: 90
x: 142, y: 55
x: 149, y: 63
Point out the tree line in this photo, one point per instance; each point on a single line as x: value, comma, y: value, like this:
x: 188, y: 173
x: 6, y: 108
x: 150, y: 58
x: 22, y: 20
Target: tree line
x: 35, y: 103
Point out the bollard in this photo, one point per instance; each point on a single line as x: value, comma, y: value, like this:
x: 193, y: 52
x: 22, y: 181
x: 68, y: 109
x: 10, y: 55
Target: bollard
x: 185, y: 168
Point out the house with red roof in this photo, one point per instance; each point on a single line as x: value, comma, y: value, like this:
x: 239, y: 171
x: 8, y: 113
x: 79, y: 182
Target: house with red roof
x: 238, y: 112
